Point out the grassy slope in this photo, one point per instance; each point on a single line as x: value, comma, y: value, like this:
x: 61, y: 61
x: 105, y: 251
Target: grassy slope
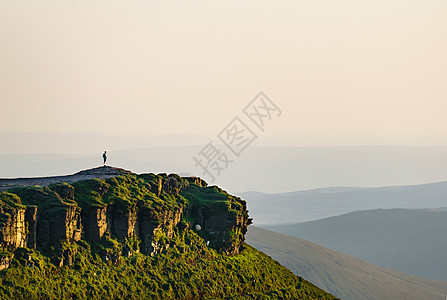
x: 189, y: 271
x: 340, y: 274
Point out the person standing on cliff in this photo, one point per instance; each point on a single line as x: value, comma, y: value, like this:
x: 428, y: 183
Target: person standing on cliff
x: 104, y: 156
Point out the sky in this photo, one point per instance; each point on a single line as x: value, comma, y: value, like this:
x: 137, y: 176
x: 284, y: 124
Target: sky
x: 360, y: 72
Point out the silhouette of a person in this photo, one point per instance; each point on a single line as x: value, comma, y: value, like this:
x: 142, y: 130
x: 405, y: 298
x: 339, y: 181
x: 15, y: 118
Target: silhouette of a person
x: 104, y: 156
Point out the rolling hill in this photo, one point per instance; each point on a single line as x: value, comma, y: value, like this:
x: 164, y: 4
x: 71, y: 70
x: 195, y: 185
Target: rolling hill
x: 413, y: 241
x: 342, y: 275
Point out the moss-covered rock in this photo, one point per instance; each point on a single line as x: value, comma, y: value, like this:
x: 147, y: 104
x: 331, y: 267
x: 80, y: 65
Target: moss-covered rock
x: 148, y: 207
x: 135, y: 236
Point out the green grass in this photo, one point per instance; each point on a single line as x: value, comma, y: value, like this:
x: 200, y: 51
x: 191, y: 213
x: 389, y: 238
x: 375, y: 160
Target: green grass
x: 42, y: 197
x: 123, y: 191
x: 11, y: 200
x: 188, y: 271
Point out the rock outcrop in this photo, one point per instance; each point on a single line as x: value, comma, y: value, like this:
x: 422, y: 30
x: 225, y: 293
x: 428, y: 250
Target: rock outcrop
x: 12, y: 227
x: 147, y: 208
x: 222, y: 223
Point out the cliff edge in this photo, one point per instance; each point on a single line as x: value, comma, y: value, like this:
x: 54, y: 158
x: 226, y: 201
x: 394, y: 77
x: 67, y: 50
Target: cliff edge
x: 99, y: 172
x: 110, y: 233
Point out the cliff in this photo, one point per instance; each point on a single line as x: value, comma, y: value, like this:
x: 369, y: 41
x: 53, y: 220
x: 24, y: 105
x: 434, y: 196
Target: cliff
x: 116, y: 234
x: 147, y: 207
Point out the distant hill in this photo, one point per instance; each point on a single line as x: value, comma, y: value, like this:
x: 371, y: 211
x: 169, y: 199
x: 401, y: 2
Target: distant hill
x: 342, y: 275
x: 264, y: 169
x: 410, y: 241
x: 302, y: 206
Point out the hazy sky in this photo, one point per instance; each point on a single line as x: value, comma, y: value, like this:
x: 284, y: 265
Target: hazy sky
x: 336, y: 68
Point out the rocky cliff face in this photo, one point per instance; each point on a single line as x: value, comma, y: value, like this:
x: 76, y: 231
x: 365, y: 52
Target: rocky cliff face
x: 13, y: 228
x: 133, y: 213
x: 222, y: 218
